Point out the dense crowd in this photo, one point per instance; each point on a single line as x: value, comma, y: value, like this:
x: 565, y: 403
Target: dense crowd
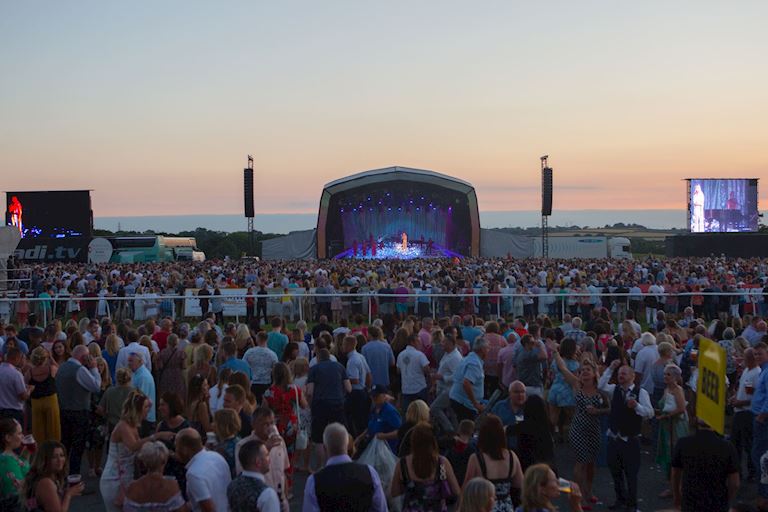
x: 432, y: 403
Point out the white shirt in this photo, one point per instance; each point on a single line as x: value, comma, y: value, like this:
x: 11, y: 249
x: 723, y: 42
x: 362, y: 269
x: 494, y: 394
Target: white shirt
x: 268, y: 500
x: 644, y: 407
x: 644, y: 361
x: 122, y: 356
x: 411, y: 363
x: 207, y: 479
x: 748, y: 375
x: 446, y: 368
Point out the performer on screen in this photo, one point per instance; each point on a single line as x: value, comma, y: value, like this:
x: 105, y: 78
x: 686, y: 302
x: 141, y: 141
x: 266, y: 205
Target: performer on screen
x: 405, y: 241
x: 697, y: 210
x: 16, y: 214
x: 732, y: 203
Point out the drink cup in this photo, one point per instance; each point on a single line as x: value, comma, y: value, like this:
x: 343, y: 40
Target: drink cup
x: 210, y: 438
x: 73, y: 480
x: 519, y: 418
x: 564, y: 485
x: 29, y: 443
x: 749, y: 387
x: 694, y: 355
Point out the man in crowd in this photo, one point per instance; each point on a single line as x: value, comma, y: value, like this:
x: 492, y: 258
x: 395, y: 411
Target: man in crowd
x: 133, y: 347
x: 161, y: 336
x: 229, y: 353
x: 466, y: 393
x: 510, y: 411
x: 630, y: 404
x: 327, y: 385
x: 343, y: 484
x: 13, y: 391
x: 276, y: 341
x: 414, y: 369
x: 208, y: 474
x: 741, y: 430
x: 575, y: 332
x: 760, y: 414
x: 260, y: 360
x: 378, y: 353
x: 144, y: 382
x: 76, y: 379
x: 440, y: 408
x: 357, y: 404
x: 249, y: 490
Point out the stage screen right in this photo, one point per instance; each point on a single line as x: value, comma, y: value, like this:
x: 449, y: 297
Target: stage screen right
x: 722, y: 205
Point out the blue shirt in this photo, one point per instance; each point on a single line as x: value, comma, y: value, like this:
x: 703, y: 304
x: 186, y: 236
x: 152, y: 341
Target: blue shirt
x: 276, y: 342
x: 471, y: 369
x: 384, y: 421
x: 380, y: 358
x: 328, y: 378
x: 760, y: 398
x: 144, y: 382
x: 237, y: 365
x: 507, y: 416
x: 470, y: 334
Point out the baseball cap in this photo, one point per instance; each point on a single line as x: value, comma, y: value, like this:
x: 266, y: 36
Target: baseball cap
x: 379, y: 389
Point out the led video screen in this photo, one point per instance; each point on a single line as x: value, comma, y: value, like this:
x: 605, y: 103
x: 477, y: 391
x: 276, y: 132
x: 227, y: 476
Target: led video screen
x: 50, y: 214
x: 722, y: 205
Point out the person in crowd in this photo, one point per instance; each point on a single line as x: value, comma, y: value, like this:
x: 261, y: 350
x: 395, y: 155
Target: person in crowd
x: 584, y: 434
x: 535, y: 443
x: 496, y: 343
x: 357, y: 402
x: 741, y: 428
x: 466, y: 393
x: 111, y: 403
x: 413, y: 366
x: 45, y: 486
x: 760, y: 414
x: 249, y: 402
x: 263, y: 423
x: 172, y: 420
x: 342, y: 484
x: 673, y: 419
x: 234, y: 399
x: 383, y: 421
x: 440, y: 408
x: 216, y: 392
x: 418, y: 412
x: 227, y: 426
x: 198, y: 409
x: 260, y: 359
x: 276, y: 340
x: 285, y: 398
x: 170, y: 368
x: 76, y: 380
x: 541, y: 486
x: 202, y: 358
x: 110, y: 352
x: 13, y: 390
x: 59, y: 352
x: 123, y: 445
x: 327, y: 385
x: 528, y: 360
x: 249, y: 491
x: 378, y: 353
x: 13, y: 467
x: 228, y: 353
x: 510, y: 411
x: 496, y: 463
x: 630, y: 404
x: 46, y: 421
x: 143, y: 381
x: 562, y: 397
x: 208, y: 474
x: 133, y: 347
x: 478, y: 495
x: 705, y: 475
x: 152, y: 491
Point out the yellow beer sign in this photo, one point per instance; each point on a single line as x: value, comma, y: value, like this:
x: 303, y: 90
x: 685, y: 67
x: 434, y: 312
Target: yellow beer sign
x: 710, y: 386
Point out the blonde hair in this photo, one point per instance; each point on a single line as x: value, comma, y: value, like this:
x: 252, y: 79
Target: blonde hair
x: 226, y: 423
x: 39, y: 356
x: 299, y: 366
x: 535, y: 478
x: 106, y: 376
x: 133, y: 407
x: 153, y: 455
x: 94, y: 350
x: 476, y: 495
x: 123, y: 376
x: 112, y: 345
x: 418, y: 411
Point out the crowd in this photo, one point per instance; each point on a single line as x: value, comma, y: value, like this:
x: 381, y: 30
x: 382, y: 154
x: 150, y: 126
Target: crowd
x: 457, y: 403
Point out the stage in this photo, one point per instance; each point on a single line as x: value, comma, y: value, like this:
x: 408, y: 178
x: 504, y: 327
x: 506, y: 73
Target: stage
x: 393, y: 249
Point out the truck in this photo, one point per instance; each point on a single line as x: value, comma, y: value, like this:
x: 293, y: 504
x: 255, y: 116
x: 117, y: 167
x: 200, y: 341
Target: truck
x: 584, y: 247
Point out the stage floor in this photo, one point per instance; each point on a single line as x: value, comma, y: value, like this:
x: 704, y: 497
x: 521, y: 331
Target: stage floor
x: 394, y: 251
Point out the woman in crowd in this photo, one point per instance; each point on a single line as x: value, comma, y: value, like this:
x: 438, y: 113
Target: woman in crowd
x: 496, y: 463
x: 170, y: 409
x: 241, y: 379
x: 284, y: 398
x: 300, y: 371
x: 111, y: 348
x: 46, y: 424
x: 478, y: 495
x: 227, y: 425
x: 13, y: 468
x: 170, y: 368
x: 534, y: 434
x: 45, y: 487
x: 417, y: 412
x: 561, y: 397
x: 584, y: 434
x: 216, y: 401
x: 123, y: 444
x: 384, y: 420
x: 111, y: 404
x: 22, y: 308
x: 97, y: 432
x: 201, y: 363
x: 424, y: 477
x: 666, y: 354
x: 152, y: 492
x: 673, y: 419
x: 198, y: 410
x: 146, y: 342
x: 541, y: 487
x: 59, y: 352
x: 291, y: 352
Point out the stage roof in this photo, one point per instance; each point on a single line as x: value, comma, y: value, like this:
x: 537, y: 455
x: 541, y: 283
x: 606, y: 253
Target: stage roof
x: 374, y: 176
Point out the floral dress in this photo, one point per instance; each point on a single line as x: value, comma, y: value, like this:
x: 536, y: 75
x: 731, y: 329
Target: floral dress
x: 429, y: 496
x: 284, y: 403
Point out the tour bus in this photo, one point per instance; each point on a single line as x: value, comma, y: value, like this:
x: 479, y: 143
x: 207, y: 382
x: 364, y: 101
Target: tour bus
x: 136, y: 249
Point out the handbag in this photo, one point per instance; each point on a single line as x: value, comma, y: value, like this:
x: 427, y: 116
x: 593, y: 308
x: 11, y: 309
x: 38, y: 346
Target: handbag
x: 302, y: 440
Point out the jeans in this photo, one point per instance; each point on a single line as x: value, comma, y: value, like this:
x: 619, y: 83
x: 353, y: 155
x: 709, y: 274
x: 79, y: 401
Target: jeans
x: 408, y: 398
x: 624, y: 463
x: 741, y: 437
x: 75, y: 426
x: 759, y: 447
x: 441, y: 411
x: 356, y: 407
x: 462, y: 412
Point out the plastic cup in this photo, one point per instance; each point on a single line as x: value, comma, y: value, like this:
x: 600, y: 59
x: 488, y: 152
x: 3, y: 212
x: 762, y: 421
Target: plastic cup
x: 29, y: 442
x: 210, y: 438
x: 519, y: 418
x: 73, y: 480
x: 694, y: 355
x: 749, y: 388
x: 564, y: 485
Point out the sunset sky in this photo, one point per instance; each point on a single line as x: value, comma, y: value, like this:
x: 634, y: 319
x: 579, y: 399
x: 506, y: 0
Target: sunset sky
x: 155, y: 105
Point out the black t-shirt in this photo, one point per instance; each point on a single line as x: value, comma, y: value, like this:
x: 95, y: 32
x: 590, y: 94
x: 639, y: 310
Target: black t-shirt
x: 706, y: 460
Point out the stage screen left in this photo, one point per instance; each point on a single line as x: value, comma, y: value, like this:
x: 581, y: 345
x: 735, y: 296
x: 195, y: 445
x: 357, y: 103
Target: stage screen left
x: 50, y: 214
x: 722, y: 205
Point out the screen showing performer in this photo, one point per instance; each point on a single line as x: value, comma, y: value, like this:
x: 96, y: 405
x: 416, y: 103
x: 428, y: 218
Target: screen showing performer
x: 722, y: 205
x: 50, y: 214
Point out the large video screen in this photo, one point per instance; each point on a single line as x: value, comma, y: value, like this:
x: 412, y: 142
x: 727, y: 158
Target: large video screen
x: 722, y: 205
x: 50, y: 214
